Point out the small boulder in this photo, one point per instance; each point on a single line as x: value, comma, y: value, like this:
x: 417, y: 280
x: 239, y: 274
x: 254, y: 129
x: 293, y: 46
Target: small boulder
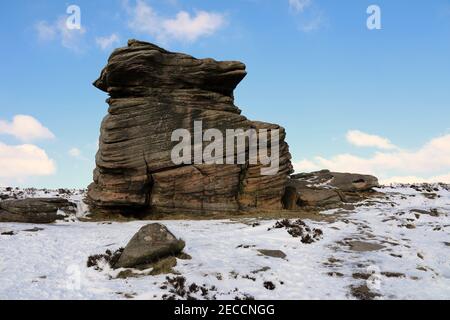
x: 34, y: 210
x: 151, y: 243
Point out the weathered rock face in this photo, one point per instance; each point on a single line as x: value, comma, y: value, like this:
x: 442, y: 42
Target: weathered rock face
x: 37, y: 210
x: 326, y: 190
x: 347, y: 182
x: 151, y: 243
x: 152, y: 93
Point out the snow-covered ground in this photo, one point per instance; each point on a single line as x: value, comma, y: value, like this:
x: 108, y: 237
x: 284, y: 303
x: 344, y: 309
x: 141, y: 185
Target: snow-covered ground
x: 382, y: 249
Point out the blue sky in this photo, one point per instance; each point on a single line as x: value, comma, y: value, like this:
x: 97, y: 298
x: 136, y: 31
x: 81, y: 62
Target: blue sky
x: 351, y: 99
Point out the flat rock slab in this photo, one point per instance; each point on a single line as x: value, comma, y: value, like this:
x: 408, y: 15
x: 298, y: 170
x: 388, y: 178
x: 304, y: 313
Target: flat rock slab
x: 273, y: 253
x: 33, y: 230
x: 347, y: 182
x: 151, y: 243
x: 328, y: 190
x: 361, y: 246
x: 7, y: 233
x: 34, y: 210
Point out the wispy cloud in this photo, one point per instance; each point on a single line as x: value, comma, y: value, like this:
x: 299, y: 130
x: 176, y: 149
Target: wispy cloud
x: 106, y: 43
x: 423, y: 164
x: 312, y: 24
x: 72, y: 39
x: 299, y: 5
x: 25, y: 128
x: 45, y: 31
x: 183, y: 27
x: 308, y: 14
x: 75, y: 152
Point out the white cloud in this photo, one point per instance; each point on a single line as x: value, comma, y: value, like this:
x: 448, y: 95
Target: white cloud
x: 71, y: 39
x: 414, y: 179
x: 25, y: 128
x: 191, y: 28
x: 299, y: 5
x: 183, y: 27
x: 108, y: 42
x: 313, y: 24
x: 309, y: 16
x: 46, y: 32
x: 75, y: 152
x: 362, y: 139
x: 23, y: 161
x: 427, y: 163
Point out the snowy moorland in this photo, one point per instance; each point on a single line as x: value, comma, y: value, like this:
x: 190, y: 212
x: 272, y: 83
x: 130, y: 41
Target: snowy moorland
x: 393, y: 247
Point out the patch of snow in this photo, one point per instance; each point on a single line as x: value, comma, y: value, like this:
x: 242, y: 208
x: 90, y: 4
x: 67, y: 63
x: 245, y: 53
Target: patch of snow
x: 414, y: 262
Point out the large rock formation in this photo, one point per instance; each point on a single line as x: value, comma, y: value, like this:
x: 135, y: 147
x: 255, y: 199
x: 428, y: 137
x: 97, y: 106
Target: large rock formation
x: 152, y: 93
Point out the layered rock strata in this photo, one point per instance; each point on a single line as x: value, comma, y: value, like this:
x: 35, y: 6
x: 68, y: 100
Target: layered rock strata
x: 152, y: 93
x: 35, y: 210
x: 327, y: 190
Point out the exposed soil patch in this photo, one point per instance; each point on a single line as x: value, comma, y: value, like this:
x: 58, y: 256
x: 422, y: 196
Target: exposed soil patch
x: 34, y: 230
x: 263, y: 269
x: 430, y: 196
x: 432, y: 212
x: 163, y: 266
x: 393, y: 274
x: 269, y: 285
x: 179, y: 289
x: 245, y: 246
x: 335, y: 274
x: 109, y: 257
x: 362, y: 246
x: 299, y: 229
x: 363, y: 292
x: 361, y: 276
x: 127, y: 295
x: 249, y: 278
x: 245, y: 297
